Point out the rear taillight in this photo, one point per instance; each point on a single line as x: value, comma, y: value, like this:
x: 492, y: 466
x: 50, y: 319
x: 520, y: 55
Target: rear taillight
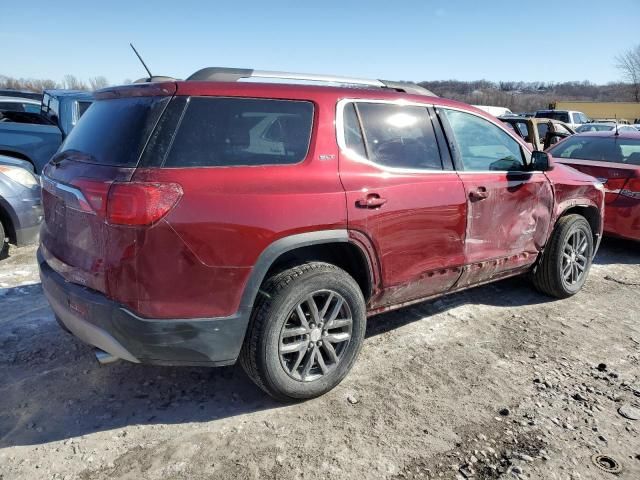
x: 126, y: 203
x: 139, y: 203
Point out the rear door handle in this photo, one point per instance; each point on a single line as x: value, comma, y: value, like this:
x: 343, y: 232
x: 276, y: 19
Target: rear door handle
x: 479, y: 193
x: 373, y: 200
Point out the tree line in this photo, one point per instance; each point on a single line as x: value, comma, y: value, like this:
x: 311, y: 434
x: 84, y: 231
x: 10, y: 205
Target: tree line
x: 517, y: 96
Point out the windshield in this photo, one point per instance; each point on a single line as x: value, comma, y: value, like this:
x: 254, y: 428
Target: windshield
x: 113, y: 132
x: 603, y: 149
x: 594, y: 127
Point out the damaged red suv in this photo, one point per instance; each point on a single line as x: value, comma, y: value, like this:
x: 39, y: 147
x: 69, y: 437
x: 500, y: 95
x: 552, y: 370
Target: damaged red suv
x: 204, y: 221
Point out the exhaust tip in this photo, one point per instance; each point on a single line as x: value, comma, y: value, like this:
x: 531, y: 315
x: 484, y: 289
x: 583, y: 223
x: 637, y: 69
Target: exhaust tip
x: 104, y: 357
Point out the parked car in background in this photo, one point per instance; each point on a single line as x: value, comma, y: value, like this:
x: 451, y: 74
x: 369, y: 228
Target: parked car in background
x: 539, y: 133
x: 20, y: 203
x: 495, y: 111
x: 10, y: 92
x: 176, y: 233
x: 572, y: 118
x: 604, y: 127
x: 18, y: 104
x: 615, y: 161
x: 36, y: 136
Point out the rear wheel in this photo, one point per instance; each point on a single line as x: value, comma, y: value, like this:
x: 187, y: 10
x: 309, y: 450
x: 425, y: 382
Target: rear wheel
x: 567, y: 259
x: 306, y: 331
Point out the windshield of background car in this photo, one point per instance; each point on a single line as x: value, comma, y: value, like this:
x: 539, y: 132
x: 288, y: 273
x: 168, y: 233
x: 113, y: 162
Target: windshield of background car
x: 591, y: 127
x: 562, y: 116
x: 603, y: 149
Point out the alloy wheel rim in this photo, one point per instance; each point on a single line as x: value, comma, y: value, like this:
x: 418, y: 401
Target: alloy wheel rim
x: 315, y: 336
x: 574, y: 258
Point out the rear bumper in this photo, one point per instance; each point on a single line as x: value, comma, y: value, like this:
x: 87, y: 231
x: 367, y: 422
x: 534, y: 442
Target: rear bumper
x: 103, y: 323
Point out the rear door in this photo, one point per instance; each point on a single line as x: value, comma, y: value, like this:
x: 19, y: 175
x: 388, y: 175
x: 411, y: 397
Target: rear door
x: 403, y: 195
x: 508, y: 207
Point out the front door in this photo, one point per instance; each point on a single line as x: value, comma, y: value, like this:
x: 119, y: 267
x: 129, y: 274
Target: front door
x: 509, y: 207
x: 404, y: 196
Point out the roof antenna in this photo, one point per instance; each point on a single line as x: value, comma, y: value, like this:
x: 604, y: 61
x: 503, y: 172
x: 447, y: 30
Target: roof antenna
x: 617, y: 133
x: 141, y: 61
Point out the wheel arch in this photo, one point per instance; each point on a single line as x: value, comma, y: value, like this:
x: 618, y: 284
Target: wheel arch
x: 331, y: 246
x: 7, y: 219
x: 593, y: 216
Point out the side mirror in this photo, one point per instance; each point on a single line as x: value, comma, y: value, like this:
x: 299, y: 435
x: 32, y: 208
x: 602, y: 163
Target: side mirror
x: 541, y: 161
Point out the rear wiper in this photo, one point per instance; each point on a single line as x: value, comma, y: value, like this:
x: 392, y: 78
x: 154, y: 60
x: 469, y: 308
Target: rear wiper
x: 58, y: 158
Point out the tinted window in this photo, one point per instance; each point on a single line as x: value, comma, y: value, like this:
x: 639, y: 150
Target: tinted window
x: 605, y: 149
x: 113, y: 132
x: 13, y: 106
x: 398, y: 136
x: 481, y: 145
x: 352, y: 132
x: 562, y: 116
x: 82, y: 107
x: 222, y: 132
x: 576, y: 118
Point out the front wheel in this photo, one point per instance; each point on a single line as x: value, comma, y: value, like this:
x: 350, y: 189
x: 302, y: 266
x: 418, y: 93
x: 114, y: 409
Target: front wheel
x: 306, y: 331
x: 566, y: 261
x: 3, y: 244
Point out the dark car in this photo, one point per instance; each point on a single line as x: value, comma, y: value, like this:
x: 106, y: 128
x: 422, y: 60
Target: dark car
x: 204, y: 221
x: 615, y: 160
x: 20, y: 204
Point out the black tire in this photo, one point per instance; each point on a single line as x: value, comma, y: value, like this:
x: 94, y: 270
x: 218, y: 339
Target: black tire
x: 548, y: 278
x: 4, y: 246
x: 273, y: 313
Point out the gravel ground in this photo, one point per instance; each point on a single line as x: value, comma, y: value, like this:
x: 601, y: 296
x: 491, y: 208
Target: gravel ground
x: 496, y: 382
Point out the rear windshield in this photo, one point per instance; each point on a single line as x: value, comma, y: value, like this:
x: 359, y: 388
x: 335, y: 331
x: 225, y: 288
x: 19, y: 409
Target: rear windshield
x: 603, y: 149
x: 113, y: 132
x: 562, y: 116
x: 221, y: 132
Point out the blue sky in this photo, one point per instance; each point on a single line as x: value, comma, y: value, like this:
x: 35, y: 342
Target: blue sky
x: 400, y: 40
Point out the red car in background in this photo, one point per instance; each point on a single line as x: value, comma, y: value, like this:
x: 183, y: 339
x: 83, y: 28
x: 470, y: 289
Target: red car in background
x: 614, y: 159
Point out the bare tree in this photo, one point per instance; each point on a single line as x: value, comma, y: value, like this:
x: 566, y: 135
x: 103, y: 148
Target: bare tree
x: 629, y: 64
x: 97, y: 83
x: 72, y: 83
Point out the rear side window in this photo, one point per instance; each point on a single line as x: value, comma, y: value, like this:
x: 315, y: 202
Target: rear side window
x: 397, y: 136
x: 222, y: 132
x: 113, y: 132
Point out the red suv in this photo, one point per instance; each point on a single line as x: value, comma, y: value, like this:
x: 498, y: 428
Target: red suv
x: 204, y: 221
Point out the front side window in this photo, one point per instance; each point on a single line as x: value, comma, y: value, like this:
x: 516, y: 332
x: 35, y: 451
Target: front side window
x: 223, y: 132
x: 396, y: 136
x: 481, y: 145
x: 576, y: 118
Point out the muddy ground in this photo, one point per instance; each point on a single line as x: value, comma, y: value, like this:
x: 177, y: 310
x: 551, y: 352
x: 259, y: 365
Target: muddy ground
x: 496, y: 382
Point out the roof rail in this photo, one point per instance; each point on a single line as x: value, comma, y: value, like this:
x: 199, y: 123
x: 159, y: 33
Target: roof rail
x: 224, y: 74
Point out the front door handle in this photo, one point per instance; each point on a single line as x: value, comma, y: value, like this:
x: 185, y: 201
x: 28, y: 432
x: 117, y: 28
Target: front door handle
x: 373, y: 200
x: 479, y: 193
